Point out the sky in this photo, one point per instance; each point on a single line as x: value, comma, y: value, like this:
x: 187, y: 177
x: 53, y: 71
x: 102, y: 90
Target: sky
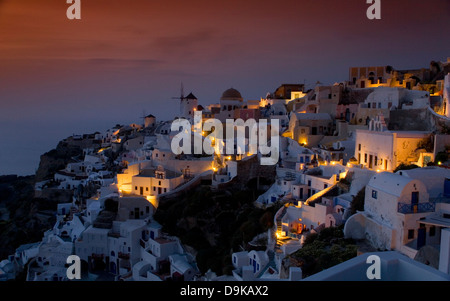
x: 60, y: 77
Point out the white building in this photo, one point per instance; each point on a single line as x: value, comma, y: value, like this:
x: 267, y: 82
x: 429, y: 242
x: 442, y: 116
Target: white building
x: 92, y: 245
x: 181, y: 268
x: 124, y: 245
x: 230, y: 102
x: 50, y: 260
x: 26, y: 252
x: 145, y: 180
x: 393, y: 267
x: 188, y: 106
x: 389, y: 98
x: 385, y: 150
x: 393, y: 206
x: 446, y: 96
x: 435, y: 178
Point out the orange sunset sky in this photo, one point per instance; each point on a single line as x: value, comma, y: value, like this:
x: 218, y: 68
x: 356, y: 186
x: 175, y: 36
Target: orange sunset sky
x: 59, y: 77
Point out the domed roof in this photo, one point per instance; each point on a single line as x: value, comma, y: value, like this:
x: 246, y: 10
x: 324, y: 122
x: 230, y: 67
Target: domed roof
x: 231, y: 94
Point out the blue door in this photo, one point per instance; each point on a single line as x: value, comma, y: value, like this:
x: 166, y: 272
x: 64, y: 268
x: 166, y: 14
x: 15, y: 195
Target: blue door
x: 112, y: 268
x: 415, y: 201
x: 421, y: 237
x: 415, y: 198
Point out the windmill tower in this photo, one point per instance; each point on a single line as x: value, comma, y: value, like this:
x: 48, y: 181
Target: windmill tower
x: 188, y: 104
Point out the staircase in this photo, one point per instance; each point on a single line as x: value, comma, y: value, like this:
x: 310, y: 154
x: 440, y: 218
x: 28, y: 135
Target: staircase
x: 271, y: 264
x: 279, y: 228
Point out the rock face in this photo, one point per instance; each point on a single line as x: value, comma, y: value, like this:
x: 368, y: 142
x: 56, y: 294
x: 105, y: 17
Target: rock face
x: 407, y: 120
x: 214, y: 224
x: 56, y: 159
x: 286, y: 264
x: 28, y: 218
x: 428, y: 255
x: 249, y: 173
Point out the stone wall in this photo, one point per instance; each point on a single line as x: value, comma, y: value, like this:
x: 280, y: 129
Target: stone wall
x: 250, y: 169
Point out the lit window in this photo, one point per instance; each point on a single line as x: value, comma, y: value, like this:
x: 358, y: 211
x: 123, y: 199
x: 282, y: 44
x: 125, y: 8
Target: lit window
x: 374, y: 194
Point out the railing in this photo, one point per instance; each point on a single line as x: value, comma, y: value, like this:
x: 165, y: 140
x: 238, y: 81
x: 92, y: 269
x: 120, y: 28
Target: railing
x: 124, y: 255
x: 416, y: 208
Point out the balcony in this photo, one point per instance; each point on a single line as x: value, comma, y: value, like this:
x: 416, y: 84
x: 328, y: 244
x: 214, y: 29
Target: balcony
x: 416, y: 208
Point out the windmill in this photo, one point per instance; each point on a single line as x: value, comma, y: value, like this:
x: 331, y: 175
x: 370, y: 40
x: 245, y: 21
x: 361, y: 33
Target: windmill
x: 143, y: 116
x: 181, y: 98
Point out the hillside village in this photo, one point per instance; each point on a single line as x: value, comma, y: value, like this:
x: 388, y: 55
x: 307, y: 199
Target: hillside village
x: 366, y: 158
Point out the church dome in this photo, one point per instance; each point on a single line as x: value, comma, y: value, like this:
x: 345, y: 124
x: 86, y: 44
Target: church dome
x: 231, y: 94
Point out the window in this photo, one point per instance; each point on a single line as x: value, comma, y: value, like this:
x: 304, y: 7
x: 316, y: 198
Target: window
x: 376, y: 160
x: 359, y: 146
x: 165, y: 189
x: 411, y: 234
x: 146, y: 188
x: 159, y: 183
x: 365, y: 158
x: 135, y: 187
x: 309, y: 183
x: 374, y: 194
x: 325, y: 186
x: 147, y: 209
x: 154, y: 188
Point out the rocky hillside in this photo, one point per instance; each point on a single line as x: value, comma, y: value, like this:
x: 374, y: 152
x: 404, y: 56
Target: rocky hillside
x: 24, y: 218
x: 214, y: 224
x: 56, y: 159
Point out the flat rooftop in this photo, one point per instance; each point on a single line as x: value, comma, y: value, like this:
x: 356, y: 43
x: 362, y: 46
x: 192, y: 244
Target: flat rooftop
x: 150, y: 173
